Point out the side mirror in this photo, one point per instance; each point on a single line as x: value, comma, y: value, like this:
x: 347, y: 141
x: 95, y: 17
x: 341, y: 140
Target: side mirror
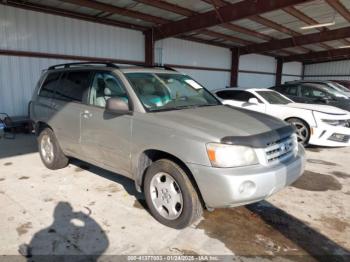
x: 116, y: 104
x: 253, y: 100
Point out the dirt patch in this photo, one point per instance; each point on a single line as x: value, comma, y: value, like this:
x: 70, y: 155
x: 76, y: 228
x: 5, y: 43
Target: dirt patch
x: 81, y: 168
x: 341, y: 174
x: 48, y: 199
x: 321, y: 162
x: 140, y: 203
x: 334, y: 223
x: 111, y: 188
x: 2, y: 179
x: 245, y: 233
x: 313, y: 181
x: 22, y: 229
x: 23, y: 177
x: 8, y: 164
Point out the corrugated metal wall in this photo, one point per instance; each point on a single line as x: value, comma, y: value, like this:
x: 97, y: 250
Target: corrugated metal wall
x: 331, y: 70
x: 258, y: 63
x: 292, y: 71
x: 182, y: 52
x: 38, y: 32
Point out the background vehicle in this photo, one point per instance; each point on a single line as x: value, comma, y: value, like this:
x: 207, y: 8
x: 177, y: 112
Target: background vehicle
x: 315, y: 124
x: 162, y: 129
x: 314, y: 94
x: 331, y: 85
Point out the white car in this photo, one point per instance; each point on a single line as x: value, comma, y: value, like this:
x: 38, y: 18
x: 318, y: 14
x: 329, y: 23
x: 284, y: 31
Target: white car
x: 321, y: 125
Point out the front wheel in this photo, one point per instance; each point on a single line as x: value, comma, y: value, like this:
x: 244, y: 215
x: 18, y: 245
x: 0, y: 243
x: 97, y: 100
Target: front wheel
x: 302, y: 130
x: 170, y: 195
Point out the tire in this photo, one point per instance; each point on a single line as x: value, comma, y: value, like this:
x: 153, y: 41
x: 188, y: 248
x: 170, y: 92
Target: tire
x: 186, y: 204
x: 303, y: 130
x: 50, y: 152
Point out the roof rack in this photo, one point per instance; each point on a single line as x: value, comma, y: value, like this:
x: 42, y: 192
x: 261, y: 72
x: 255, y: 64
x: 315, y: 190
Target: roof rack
x: 68, y: 65
x: 163, y: 66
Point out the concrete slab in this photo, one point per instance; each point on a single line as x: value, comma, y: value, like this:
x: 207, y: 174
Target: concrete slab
x: 83, y: 209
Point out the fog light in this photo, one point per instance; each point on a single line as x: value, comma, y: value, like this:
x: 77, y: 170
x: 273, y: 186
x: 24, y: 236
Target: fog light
x: 339, y: 137
x: 247, y: 188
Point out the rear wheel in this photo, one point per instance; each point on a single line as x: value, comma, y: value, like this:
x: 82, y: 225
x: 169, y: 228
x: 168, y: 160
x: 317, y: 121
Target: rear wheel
x: 50, y: 152
x: 170, y: 195
x: 302, y: 130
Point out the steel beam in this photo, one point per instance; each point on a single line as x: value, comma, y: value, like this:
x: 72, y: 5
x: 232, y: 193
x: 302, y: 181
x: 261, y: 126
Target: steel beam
x: 329, y: 54
x: 227, y: 13
x: 298, y: 41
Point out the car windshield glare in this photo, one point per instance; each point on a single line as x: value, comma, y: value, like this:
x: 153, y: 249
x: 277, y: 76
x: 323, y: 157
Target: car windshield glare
x: 164, y: 91
x: 274, y: 98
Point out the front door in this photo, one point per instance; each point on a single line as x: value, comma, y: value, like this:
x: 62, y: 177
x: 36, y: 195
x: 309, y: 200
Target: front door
x: 106, y: 136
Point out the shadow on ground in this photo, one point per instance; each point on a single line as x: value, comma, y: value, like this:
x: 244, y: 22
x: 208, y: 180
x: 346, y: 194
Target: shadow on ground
x: 22, y: 144
x: 73, y: 236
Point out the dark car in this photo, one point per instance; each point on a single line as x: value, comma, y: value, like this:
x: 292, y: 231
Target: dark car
x: 344, y: 83
x: 325, y: 83
x: 314, y: 93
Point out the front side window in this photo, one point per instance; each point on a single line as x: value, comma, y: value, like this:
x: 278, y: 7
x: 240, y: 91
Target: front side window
x: 310, y: 92
x: 73, y: 86
x: 106, y: 85
x: 49, y: 85
x: 274, y: 98
x: 164, y: 91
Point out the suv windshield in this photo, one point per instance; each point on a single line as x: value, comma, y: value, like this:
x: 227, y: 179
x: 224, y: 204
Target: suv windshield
x: 163, y: 91
x: 274, y: 97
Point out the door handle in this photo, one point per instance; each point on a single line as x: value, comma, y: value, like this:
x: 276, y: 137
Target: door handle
x: 86, y: 114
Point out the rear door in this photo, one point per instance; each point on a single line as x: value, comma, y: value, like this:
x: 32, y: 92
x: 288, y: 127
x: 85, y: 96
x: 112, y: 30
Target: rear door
x: 66, y: 109
x: 41, y: 107
x: 106, y: 136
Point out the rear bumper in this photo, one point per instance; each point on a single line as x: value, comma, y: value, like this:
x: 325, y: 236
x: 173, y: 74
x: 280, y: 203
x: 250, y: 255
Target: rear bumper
x: 322, y: 136
x: 229, y: 187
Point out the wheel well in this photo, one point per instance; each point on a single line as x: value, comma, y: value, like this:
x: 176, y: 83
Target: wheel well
x: 40, y: 126
x: 298, y: 119
x: 149, y: 156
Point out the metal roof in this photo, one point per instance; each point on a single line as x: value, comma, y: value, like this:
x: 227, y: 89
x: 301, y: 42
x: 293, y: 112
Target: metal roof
x: 270, y: 26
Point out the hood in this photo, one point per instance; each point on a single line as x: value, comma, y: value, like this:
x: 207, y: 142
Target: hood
x: 217, y: 121
x: 319, y: 108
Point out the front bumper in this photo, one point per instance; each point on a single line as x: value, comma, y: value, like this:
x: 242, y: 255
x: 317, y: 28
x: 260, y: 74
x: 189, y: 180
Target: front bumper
x: 229, y: 187
x: 322, y: 136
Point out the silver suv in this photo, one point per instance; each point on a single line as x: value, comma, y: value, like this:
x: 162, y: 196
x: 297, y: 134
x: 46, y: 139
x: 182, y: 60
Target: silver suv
x: 182, y: 147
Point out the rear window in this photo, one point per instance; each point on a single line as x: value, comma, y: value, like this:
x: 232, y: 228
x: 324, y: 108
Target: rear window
x: 48, y: 87
x: 73, y: 86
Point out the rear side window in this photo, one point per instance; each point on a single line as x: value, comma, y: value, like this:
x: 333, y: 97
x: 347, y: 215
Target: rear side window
x: 225, y: 94
x: 236, y: 95
x: 292, y: 90
x: 73, y: 86
x: 49, y: 85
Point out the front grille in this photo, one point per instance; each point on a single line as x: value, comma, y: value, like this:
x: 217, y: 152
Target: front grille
x: 279, y: 150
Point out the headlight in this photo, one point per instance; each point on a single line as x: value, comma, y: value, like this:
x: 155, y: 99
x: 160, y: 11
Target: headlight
x: 335, y: 122
x: 221, y: 155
